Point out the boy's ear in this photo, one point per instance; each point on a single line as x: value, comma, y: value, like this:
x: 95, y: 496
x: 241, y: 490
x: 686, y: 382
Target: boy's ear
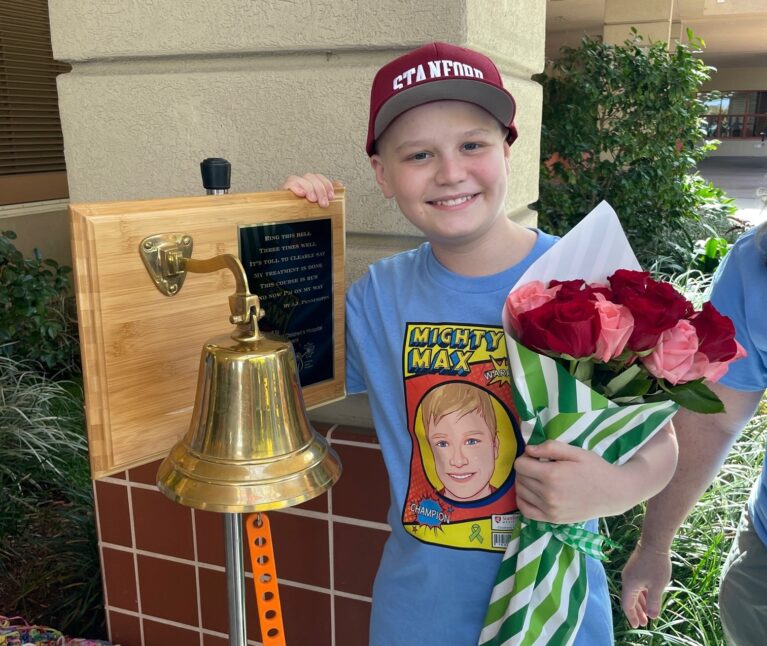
x: 378, y: 168
x: 507, y: 156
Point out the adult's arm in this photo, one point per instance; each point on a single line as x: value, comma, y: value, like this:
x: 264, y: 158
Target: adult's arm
x: 704, y: 442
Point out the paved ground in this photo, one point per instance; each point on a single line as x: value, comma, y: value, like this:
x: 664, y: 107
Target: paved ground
x: 740, y: 177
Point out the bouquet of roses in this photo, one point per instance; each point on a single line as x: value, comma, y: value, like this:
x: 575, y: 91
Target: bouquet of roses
x: 601, y: 357
x: 632, y: 340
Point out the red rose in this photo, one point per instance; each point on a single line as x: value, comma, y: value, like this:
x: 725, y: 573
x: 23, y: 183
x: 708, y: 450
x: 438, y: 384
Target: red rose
x: 656, y: 306
x: 562, y: 327
x: 716, y: 334
x: 625, y: 282
x: 568, y: 285
x: 579, y: 289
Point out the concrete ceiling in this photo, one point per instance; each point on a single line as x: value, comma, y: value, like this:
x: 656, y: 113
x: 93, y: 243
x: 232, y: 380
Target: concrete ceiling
x: 735, y: 31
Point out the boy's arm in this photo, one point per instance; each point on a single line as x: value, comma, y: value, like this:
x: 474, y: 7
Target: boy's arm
x: 561, y: 483
x: 704, y: 442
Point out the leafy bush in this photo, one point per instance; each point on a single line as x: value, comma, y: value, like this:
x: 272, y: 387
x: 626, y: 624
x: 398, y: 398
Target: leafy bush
x: 49, y: 561
x: 37, y: 320
x: 624, y: 123
x: 709, y: 253
x: 49, y: 564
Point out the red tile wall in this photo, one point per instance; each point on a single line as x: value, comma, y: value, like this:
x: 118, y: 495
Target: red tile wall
x: 163, y: 563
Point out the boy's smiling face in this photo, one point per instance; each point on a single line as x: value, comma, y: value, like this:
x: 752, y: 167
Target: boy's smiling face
x: 446, y: 164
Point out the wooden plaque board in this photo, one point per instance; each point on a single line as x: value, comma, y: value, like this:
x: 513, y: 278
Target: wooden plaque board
x: 141, y: 349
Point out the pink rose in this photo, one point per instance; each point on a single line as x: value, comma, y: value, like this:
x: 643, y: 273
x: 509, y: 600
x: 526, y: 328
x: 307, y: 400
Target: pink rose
x: 674, y: 353
x: 525, y: 298
x: 712, y: 371
x: 617, y: 325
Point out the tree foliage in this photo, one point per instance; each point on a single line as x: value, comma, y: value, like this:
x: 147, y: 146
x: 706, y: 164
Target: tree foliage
x: 623, y: 123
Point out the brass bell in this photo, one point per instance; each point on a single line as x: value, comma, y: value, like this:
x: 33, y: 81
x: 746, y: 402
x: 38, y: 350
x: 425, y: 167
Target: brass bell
x: 250, y: 445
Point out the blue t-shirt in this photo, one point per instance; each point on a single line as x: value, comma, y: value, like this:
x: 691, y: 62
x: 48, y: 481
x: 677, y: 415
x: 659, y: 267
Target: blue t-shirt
x: 414, y: 327
x: 740, y: 292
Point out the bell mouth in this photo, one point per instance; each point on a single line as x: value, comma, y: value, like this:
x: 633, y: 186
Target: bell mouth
x: 233, y: 486
x: 250, y: 445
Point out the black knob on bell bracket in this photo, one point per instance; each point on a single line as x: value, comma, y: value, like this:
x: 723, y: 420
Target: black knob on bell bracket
x: 216, y: 175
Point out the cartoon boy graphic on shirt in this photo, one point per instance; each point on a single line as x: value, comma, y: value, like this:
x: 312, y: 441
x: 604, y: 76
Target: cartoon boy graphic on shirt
x: 465, y: 433
x: 461, y: 430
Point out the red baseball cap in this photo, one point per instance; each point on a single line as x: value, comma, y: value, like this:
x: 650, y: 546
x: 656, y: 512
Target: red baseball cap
x: 437, y: 72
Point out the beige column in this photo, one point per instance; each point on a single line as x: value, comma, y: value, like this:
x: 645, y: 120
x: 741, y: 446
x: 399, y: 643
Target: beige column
x: 651, y: 18
x: 678, y: 34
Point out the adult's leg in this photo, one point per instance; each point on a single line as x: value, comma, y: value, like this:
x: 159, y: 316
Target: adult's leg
x: 743, y: 588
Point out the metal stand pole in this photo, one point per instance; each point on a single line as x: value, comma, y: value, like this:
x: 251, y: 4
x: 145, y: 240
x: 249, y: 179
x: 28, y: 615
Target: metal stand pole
x: 216, y: 175
x: 235, y: 579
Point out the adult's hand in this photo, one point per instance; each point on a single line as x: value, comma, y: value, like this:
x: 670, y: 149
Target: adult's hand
x: 704, y: 441
x: 644, y: 578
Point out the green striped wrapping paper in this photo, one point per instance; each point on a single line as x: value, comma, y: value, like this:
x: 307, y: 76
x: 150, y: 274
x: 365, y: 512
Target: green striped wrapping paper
x: 541, y: 588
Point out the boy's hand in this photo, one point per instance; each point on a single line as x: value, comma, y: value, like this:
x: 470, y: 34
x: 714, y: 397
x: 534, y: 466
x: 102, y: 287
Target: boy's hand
x: 645, y: 576
x: 570, y: 485
x: 561, y: 483
x: 313, y: 186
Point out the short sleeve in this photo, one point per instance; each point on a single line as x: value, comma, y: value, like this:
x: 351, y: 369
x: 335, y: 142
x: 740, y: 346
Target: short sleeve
x: 355, y: 381
x: 739, y: 291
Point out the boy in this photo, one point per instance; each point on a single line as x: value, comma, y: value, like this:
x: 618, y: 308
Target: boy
x: 440, y: 129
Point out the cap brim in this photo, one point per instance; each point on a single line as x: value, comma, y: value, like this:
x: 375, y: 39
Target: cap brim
x: 496, y: 101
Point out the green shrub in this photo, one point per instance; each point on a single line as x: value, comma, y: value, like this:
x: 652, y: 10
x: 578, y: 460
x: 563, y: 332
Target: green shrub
x: 37, y: 320
x: 49, y: 562
x: 623, y: 123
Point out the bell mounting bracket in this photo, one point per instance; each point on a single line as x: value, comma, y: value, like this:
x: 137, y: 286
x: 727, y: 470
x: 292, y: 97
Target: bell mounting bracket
x: 164, y: 255
x: 168, y: 257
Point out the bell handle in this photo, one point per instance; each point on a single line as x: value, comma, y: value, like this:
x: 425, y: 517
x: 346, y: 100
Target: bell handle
x: 244, y: 306
x: 167, y: 258
x: 216, y: 263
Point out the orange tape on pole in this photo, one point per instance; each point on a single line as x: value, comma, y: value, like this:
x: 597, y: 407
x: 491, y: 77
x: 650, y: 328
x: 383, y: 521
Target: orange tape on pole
x: 265, y: 578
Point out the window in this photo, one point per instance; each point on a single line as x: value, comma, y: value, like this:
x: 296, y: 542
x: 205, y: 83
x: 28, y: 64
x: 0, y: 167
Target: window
x: 31, y: 146
x: 734, y: 115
